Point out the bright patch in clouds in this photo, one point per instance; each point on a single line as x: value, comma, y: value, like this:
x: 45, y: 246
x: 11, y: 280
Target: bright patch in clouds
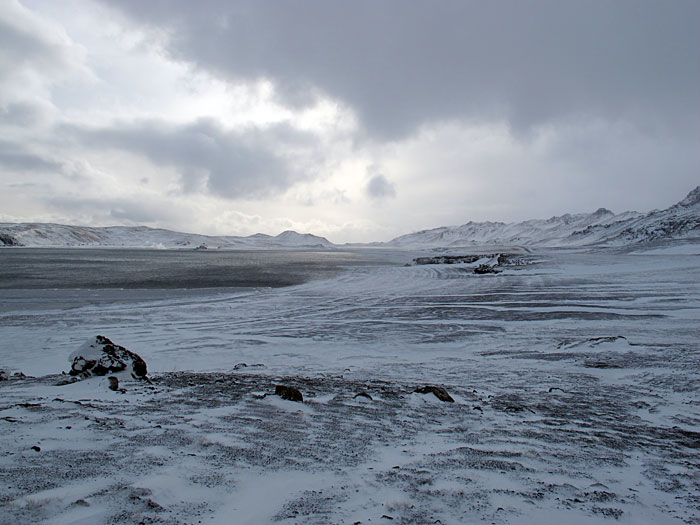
x: 242, y: 117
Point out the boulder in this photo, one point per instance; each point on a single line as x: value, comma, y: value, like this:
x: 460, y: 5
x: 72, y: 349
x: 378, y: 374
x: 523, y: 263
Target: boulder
x: 4, y: 375
x: 289, y: 392
x: 100, y: 356
x: 438, y: 391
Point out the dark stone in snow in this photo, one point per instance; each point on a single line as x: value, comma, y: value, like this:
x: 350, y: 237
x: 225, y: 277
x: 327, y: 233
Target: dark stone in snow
x: 114, y: 383
x: 36, y: 449
x: 4, y: 375
x: 439, y: 392
x: 101, y: 357
x: 484, y: 269
x: 289, y: 392
x: 363, y: 394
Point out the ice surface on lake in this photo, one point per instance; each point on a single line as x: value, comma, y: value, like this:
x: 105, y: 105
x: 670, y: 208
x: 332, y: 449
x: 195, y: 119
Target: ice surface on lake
x: 576, y: 386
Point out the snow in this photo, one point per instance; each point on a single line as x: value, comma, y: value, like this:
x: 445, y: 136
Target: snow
x: 600, y: 228
x: 576, y: 382
x: 58, y: 235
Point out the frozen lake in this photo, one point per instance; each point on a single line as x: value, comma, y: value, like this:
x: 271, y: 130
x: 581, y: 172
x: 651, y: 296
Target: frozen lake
x: 37, y: 278
x: 576, y: 382
x: 42, y: 268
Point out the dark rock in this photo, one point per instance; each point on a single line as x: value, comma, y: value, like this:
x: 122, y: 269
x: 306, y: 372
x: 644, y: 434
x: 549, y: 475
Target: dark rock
x: 449, y: 259
x: 36, y: 449
x: 113, y: 383
x: 289, y: 393
x: 601, y: 364
x: 362, y: 394
x: 101, y: 357
x: 439, y: 392
x: 484, y: 269
x: 240, y: 365
x: 19, y: 375
x: 4, y: 375
x: 591, y: 342
x: 8, y: 240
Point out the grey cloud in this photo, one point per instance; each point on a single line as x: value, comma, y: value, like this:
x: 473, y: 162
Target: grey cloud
x: 120, y: 210
x: 15, y: 158
x: 400, y: 63
x: 24, y: 114
x: 379, y: 187
x: 251, y: 163
x: 27, y: 42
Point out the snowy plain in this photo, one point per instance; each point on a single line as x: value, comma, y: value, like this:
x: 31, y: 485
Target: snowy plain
x: 576, y: 381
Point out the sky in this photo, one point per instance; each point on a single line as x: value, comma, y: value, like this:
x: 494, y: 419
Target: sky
x: 355, y: 120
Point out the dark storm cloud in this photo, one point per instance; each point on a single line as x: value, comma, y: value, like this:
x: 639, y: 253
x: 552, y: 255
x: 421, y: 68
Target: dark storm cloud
x: 249, y: 163
x: 401, y: 63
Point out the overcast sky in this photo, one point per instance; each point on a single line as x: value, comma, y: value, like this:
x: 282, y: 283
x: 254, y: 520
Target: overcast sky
x: 355, y: 120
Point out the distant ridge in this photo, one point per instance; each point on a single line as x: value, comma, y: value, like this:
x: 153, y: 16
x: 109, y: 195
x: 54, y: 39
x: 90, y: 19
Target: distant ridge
x: 600, y: 228
x: 60, y: 235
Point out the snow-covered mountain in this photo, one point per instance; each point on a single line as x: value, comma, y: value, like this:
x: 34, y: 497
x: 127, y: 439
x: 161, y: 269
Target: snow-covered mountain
x: 602, y: 227
x: 59, y: 235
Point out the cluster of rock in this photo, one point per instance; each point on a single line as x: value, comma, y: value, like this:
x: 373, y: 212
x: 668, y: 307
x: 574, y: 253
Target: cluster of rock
x: 494, y: 261
x: 452, y: 259
x: 100, y: 357
x: 485, y: 268
x: 6, y: 376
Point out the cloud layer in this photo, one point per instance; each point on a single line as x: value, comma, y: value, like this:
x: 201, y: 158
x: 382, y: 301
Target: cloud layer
x: 401, y: 64
x: 358, y: 120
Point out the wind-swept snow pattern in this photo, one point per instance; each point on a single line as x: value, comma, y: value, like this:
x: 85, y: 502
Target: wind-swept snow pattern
x: 575, y: 383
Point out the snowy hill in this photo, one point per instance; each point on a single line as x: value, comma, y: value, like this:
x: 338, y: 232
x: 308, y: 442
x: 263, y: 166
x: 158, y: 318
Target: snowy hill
x: 58, y: 235
x: 602, y: 227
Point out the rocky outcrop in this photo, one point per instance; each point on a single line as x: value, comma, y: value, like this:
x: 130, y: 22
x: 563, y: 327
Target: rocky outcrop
x: 8, y: 240
x: 100, y: 356
x: 438, y: 391
x: 483, y: 269
x: 450, y: 259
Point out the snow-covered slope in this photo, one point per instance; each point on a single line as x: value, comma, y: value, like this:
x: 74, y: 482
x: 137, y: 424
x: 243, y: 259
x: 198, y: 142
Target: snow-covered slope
x: 602, y: 227
x: 58, y: 235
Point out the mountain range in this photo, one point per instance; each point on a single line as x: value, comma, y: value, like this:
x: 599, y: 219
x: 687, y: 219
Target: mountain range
x: 600, y: 228
x: 60, y: 235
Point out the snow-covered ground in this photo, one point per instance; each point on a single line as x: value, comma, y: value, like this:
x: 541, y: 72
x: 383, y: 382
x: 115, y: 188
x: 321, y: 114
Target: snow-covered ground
x: 576, y: 383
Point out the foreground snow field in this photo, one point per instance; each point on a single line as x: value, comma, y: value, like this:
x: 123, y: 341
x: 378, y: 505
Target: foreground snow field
x: 576, y: 382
